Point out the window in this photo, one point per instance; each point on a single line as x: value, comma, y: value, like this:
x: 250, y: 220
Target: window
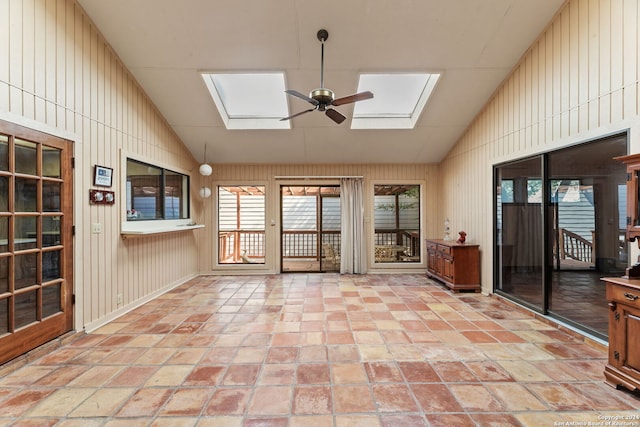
x: 241, y: 224
x: 397, y: 223
x: 249, y: 100
x: 155, y: 193
x: 398, y: 102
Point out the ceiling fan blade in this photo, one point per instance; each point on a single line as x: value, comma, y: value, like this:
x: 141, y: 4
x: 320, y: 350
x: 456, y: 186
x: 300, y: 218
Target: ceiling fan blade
x: 352, y: 98
x: 298, y: 114
x: 301, y: 96
x: 335, y: 115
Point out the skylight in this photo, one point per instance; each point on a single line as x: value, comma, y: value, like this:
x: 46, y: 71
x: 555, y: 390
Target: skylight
x: 398, y: 102
x: 249, y: 100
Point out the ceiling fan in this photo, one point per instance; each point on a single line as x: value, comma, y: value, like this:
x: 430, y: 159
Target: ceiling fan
x: 322, y: 98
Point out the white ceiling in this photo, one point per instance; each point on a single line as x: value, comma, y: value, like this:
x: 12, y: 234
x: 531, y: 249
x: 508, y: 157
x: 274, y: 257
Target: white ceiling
x: 473, y: 43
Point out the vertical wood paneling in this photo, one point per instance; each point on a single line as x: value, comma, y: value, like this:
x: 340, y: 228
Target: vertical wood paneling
x: 594, y: 63
x: 583, y: 73
x: 617, y: 64
x: 4, y: 53
x: 574, y: 68
x: 631, y: 13
x: 59, y: 71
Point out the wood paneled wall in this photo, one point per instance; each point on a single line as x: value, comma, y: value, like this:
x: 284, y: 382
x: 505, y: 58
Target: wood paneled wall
x: 59, y: 74
x: 577, y: 82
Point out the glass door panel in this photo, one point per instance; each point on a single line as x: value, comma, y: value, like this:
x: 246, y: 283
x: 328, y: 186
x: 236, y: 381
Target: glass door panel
x: 310, y: 228
x: 519, y: 231
x: 330, y: 228
x: 586, y: 230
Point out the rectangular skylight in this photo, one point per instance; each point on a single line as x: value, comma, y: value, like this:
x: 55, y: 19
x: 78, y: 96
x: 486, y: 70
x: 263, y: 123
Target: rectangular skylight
x: 398, y: 101
x: 249, y: 100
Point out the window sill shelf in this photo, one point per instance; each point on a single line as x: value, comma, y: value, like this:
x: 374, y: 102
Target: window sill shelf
x: 141, y: 232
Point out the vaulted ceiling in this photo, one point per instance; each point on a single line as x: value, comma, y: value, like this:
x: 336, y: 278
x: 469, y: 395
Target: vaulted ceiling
x: 474, y: 44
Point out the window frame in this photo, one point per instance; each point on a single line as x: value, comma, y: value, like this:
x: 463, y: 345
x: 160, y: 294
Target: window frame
x: 270, y: 224
x: 252, y: 263
x: 421, y: 222
x: 138, y: 227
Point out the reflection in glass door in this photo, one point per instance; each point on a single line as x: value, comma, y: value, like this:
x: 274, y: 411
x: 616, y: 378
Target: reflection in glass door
x: 560, y: 228
x: 586, y: 230
x: 35, y: 239
x: 519, y: 231
x: 310, y: 228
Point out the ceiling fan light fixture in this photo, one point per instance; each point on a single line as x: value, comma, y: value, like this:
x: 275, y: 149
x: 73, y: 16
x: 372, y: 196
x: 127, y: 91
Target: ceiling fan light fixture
x: 322, y: 98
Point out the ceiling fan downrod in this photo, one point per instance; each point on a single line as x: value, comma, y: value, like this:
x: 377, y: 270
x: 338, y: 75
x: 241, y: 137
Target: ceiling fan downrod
x: 323, y: 35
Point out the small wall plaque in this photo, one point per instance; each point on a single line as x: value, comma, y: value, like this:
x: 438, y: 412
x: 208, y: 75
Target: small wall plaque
x: 102, y: 176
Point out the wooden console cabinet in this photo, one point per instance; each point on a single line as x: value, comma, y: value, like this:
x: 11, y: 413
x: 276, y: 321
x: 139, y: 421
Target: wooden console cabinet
x: 454, y: 264
x: 623, y: 368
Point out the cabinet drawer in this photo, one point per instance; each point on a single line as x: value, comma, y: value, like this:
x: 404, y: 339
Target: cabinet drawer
x: 446, y: 250
x: 432, y: 246
x: 628, y: 296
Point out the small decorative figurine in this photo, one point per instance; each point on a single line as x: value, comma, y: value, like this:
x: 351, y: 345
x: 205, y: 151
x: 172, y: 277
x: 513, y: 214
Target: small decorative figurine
x: 462, y: 238
x: 447, y: 230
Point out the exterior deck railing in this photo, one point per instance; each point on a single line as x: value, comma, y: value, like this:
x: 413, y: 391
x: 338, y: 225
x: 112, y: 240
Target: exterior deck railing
x: 573, y: 246
x: 307, y: 244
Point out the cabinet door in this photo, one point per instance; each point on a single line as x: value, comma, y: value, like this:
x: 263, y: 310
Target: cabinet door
x: 631, y: 359
x: 432, y: 261
x: 447, y: 268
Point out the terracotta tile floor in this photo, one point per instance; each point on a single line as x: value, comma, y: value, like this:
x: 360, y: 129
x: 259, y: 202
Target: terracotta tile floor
x: 317, y: 350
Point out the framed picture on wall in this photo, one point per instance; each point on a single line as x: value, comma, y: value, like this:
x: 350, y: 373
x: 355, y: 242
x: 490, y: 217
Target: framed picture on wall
x: 103, y: 176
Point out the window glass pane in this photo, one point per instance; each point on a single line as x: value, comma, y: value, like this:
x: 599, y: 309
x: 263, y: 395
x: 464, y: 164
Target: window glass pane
x: 175, y: 196
x: 4, y: 274
x: 4, y: 234
x: 331, y: 225
x: 25, y: 230
x: 51, y: 300
x: 26, y: 157
x: 534, y: 190
x: 585, y: 238
x: 505, y: 191
x: 51, y: 230
x: 50, y: 265
x: 51, y: 196
x: 4, y: 315
x: 26, y: 309
x: 155, y: 193
x: 144, y: 184
x: 519, y: 230
x: 4, y: 153
x: 4, y: 194
x: 51, y: 162
x: 300, y: 223
x: 397, y: 223
x: 26, y: 193
x: 25, y: 271
x: 241, y: 224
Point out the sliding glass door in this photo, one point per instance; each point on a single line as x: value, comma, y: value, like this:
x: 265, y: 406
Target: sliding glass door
x: 310, y: 228
x: 560, y: 220
x: 519, y: 226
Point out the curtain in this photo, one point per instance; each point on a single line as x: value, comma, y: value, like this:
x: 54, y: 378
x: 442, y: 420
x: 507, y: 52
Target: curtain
x: 352, y: 242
